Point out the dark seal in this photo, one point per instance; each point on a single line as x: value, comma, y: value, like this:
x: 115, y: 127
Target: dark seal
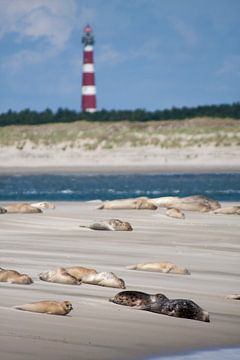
x: 159, y: 303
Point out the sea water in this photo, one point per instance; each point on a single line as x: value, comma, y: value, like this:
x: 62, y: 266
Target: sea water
x: 85, y: 187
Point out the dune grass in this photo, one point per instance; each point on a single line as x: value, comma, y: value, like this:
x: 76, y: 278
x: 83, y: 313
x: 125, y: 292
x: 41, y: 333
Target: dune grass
x: 92, y: 135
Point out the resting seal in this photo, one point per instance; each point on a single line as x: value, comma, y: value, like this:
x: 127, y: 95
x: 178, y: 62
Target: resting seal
x: 107, y: 279
x: 199, y: 203
x: 233, y: 297
x: 164, y: 267
x: 111, y: 224
x: 23, y: 208
x: 2, y: 210
x: 228, y: 210
x: 60, y: 276
x: 78, y: 272
x: 137, y: 299
x: 175, y: 213
x: 47, y: 307
x: 138, y: 203
x: 43, y: 205
x: 159, y: 303
x: 14, y: 277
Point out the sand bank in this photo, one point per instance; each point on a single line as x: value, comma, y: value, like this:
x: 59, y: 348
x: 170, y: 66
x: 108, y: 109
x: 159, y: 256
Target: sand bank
x: 208, y: 245
x: 119, y: 160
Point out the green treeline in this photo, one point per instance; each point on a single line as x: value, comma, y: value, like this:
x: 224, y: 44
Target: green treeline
x: 30, y: 117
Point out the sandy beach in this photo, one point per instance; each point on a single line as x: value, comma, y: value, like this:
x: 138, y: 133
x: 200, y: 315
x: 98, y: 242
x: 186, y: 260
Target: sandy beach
x: 208, y: 245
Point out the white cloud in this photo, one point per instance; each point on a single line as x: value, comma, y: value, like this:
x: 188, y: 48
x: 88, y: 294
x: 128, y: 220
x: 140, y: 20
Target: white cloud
x: 51, y: 19
x: 48, y: 20
x: 231, y: 65
x: 108, y: 54
x: 185, y: 31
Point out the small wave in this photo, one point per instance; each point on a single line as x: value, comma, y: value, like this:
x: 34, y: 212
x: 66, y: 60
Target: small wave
x: 66, y: 191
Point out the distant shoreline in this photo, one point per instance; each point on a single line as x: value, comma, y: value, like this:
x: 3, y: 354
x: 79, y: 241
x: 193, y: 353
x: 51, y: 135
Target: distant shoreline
x: 117, y: 169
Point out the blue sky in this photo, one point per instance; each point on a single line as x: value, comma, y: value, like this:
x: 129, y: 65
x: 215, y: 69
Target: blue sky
x: 151, y: 54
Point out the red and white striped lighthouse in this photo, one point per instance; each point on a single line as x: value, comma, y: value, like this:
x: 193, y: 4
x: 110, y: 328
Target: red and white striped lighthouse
x: 88, y: 76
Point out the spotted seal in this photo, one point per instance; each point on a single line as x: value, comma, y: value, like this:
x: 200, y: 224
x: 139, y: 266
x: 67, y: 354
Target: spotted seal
x: 2, y: 210
x: 14, y: 277
x: 159, y: 303
x: 108, y: 279
x: 164, y: 267
x: 110, y: 225
x: 47, y: 307
x: 137, y: 203
x: 59, y: 275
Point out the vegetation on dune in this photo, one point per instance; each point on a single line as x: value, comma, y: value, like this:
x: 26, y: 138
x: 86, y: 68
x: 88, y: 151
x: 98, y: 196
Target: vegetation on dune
x: 90, y: 135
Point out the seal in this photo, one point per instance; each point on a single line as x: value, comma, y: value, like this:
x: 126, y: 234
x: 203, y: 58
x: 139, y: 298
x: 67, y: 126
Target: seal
x: 23, y: 208
x: 47, y: 307
x: 79, y: 271
x: 60, y: 276
x: 175, y: 213
x: 164, y: 267
x: 108, y: 279
x: 137, y: 203
x: 199, y: 203
x: 159, y: 303
x: 43, y: 205
x: 14, y: 277
x: 233, y: 297
x: 2, y: 210
x: 137, y: 299
x: 228, y: 210
x: 110, y: 225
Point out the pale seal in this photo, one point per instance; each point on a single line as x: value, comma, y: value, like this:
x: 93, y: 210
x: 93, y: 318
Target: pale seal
x: 22, y: 208
x: 108, y: 279
x: 228, y: 210
x: 60, y: 276
x: 79, y: 271
x: 199, y: 203
x: 175, y: 213
x: 110, y: 225
x: 14, y: 277
x: 159, y: 303
x: 43, y: 205
x: 233, y: 297
x: 47, y: 307
x: 137, y: 203
x: 164, y: 267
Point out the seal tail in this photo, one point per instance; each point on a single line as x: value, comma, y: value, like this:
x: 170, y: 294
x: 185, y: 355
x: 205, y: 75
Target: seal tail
x: 100, y: 207
x: 205, y: 316
x: 132, y: 267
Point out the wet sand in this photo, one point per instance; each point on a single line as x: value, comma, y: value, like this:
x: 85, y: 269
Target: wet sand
x: 208, y: 245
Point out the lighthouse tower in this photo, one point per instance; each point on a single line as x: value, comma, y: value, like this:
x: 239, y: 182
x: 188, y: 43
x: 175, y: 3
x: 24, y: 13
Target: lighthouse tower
x: 88, y: 75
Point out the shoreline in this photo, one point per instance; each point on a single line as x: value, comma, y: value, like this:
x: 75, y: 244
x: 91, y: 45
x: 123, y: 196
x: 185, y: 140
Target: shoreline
x: 117, y: 169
